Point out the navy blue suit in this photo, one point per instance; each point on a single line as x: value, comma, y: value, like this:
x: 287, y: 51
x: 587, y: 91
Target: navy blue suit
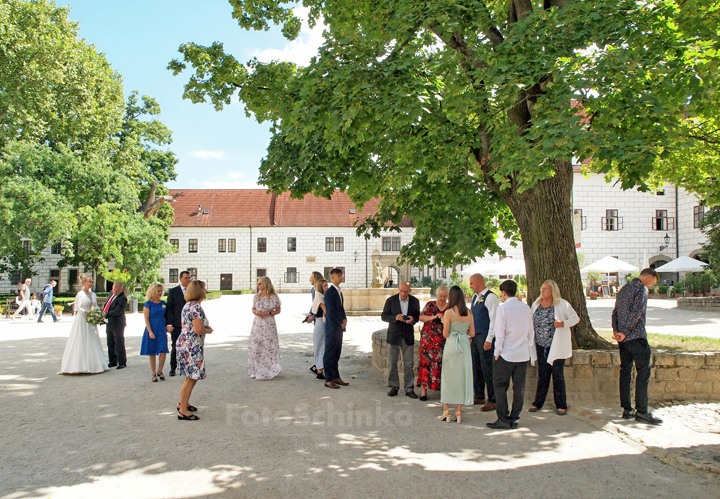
x: 482, y: 359
x: 334, y: 317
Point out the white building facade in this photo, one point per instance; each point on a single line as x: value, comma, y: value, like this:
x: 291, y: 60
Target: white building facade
x: 228, y: 238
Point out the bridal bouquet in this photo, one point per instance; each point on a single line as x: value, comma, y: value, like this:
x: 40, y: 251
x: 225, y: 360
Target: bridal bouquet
x: 95, y: 317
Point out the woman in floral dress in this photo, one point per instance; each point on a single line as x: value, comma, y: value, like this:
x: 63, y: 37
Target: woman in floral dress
x: 263, y: 345
x: 432, y: 343
x: 190, y: 347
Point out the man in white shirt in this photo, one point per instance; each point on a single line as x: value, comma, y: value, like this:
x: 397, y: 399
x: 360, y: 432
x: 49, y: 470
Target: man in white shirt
x: 24, y: 299
x: 514, y: 336
x: 484, y: 307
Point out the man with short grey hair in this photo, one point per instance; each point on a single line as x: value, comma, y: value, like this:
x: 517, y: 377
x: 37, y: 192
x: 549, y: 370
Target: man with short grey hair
x: 115, y: 329
x: 402, y: 312
x: 47, y: 301
x: 24, y: 300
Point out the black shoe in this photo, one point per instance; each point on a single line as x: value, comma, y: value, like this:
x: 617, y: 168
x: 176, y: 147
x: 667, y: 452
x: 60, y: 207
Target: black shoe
x: 121, y: 366
x: 112, y: 365
x: 646, y: 417
x: 423, y: 398
x: 514, y: 425
x: 320, y: 376
x: 412, y: 395
x: 628, y: 413
x: 499, y: 425
x: 393, y: 391
x: 190, y: 417
x: 172, y: 372
x: 313, y: 370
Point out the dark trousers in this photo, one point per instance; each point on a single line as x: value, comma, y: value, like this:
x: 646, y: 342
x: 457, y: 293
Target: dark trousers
x: 408, y: 352
x: 173, y: 353
x: 476, y: 351
x: 637, y: 351
x: 503, y: 372
x: 545, y: 372
x: 116, y: 345
x: 333, y: 348
x: 485, y: 359
x: 49, y: 308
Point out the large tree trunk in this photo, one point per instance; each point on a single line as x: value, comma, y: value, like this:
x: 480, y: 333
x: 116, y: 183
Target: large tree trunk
x: 544, y: 217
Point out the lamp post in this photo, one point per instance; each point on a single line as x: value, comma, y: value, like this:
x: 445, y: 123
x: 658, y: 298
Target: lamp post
x: 667, y: 242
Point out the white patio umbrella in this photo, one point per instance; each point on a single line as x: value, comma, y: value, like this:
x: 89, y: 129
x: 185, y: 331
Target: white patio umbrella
x: 511, y: 266
x: 683, y: 264
x: 484, y: 267
x: 610, y: 264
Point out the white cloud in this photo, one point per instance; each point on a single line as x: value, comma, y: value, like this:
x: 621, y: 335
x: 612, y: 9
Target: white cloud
x: 302, y: 48
x: 236, y: 175
x: 225, y: 184
x: 209, y: 154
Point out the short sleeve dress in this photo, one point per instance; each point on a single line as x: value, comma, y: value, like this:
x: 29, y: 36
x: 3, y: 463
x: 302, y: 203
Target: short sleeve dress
x: 432, y: 343
x: 263, y: 344
x: 190, y: 346
x: 158, y: 345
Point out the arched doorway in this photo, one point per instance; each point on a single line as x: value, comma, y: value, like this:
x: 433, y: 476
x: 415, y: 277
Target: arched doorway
x: 391, y: 276
x: 656, y: 261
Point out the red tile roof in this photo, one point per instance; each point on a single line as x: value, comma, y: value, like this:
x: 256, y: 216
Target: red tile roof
x: 243, y: 207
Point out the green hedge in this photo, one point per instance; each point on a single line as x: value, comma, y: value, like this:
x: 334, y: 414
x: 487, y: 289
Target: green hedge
x: 237, y: 292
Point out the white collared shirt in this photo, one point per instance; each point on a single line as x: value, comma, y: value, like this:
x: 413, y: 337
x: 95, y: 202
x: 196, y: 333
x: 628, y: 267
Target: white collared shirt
x: 514, y: 333
x: 491, y: 303
x: 404, y: 305
x: 342, y: 300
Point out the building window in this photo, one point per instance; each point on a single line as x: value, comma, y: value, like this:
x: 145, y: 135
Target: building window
x: 582, y: 220
x: 339, y: 244
x: 444, y: 272
x: 231, y: 246
x: 176, y: 243
x: 329, y: 244
x: 192, y: 246
x: 173, y: 276
x: 386, y: 243
x: 262, y: 245
x: 396, y: 244
x: 292, y: 244
x: 326, y: 273
x: 193, y: 274
x: 261, y: 273
x: 661, y: 192
x: 611, y: 221
x: 55, y: 249
x: 222, y: 244
x: 698, y: 215
x: 662, y: 222
x: 27, y: 246
x: 291, y: 276
x: 16, y: 277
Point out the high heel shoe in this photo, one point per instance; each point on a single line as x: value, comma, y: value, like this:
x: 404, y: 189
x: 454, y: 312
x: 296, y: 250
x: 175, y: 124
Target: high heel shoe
x: 183, y: 417
x: 458, y: 416
x: 161, y: 375
x: 445, y: 416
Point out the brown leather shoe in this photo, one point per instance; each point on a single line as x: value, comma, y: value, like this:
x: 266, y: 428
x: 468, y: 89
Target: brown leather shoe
x: 340, y: 382
x: 478, y: 401
x: 331, y: 384
x: 488, y: 407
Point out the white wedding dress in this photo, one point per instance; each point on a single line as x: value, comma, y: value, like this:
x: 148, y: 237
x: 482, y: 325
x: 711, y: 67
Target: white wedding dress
x: 83, y: 350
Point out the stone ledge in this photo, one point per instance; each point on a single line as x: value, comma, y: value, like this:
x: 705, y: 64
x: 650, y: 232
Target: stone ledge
x: 704, y: 304
x: 592, y: 375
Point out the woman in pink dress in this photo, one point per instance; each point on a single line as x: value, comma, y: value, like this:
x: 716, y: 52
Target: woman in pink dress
x: 264, y: 346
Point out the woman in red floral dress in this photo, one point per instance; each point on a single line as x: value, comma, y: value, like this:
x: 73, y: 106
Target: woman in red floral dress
x: 432, y: 342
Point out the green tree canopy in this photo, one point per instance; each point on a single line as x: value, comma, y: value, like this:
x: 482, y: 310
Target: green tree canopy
x: 465, y: 114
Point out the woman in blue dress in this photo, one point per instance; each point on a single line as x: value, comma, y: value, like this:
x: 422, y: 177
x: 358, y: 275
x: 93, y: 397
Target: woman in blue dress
x: 154, y: 340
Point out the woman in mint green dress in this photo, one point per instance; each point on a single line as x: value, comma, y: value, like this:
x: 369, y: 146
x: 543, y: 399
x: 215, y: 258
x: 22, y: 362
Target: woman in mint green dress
x: 456, y: 378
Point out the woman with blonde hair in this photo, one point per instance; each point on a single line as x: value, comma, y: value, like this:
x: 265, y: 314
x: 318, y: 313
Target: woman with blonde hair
x: 314, y: 278
x: 264, y: 345
x: 318, y: 311
x: 154, y: 340
x: 191, y: 347
x: 552, y: 319
x: 83, y: 350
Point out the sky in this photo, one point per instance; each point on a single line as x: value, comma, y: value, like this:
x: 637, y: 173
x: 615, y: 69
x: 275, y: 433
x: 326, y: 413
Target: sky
x: 219, y: 150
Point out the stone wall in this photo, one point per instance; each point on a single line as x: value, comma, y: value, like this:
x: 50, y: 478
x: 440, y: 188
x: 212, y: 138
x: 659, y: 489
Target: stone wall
x: 592, y: 375
x: 371, y: 301
x: 702, y: 304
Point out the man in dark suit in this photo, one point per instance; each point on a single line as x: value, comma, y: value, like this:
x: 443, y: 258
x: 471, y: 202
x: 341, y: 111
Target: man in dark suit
x: 173, y: 315
x: 335, y: 322
x: 115, y: 329
x: 401, y: 312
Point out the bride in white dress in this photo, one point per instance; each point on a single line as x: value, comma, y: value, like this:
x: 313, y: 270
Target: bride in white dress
x: 83, y: 350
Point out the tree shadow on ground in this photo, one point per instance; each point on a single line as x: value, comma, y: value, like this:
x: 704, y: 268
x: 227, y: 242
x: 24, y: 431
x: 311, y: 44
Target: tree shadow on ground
x: 116, y: 435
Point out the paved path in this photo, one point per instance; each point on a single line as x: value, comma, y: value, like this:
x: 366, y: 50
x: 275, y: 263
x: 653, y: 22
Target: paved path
x: 116, y: 435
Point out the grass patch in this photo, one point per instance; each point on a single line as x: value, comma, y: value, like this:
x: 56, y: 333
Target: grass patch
x: 674, y: 343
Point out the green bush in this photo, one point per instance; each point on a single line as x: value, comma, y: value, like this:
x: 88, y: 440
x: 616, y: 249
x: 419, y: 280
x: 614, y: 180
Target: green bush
x: 662, y: 289
x: 237, y: 292
x: 212, y: 295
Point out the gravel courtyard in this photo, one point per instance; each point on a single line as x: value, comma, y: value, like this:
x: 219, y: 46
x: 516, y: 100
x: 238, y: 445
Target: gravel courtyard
x: 116, y: 435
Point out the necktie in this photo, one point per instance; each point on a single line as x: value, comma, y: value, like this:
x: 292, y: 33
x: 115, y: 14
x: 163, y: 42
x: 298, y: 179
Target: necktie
x: 107, y: 305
